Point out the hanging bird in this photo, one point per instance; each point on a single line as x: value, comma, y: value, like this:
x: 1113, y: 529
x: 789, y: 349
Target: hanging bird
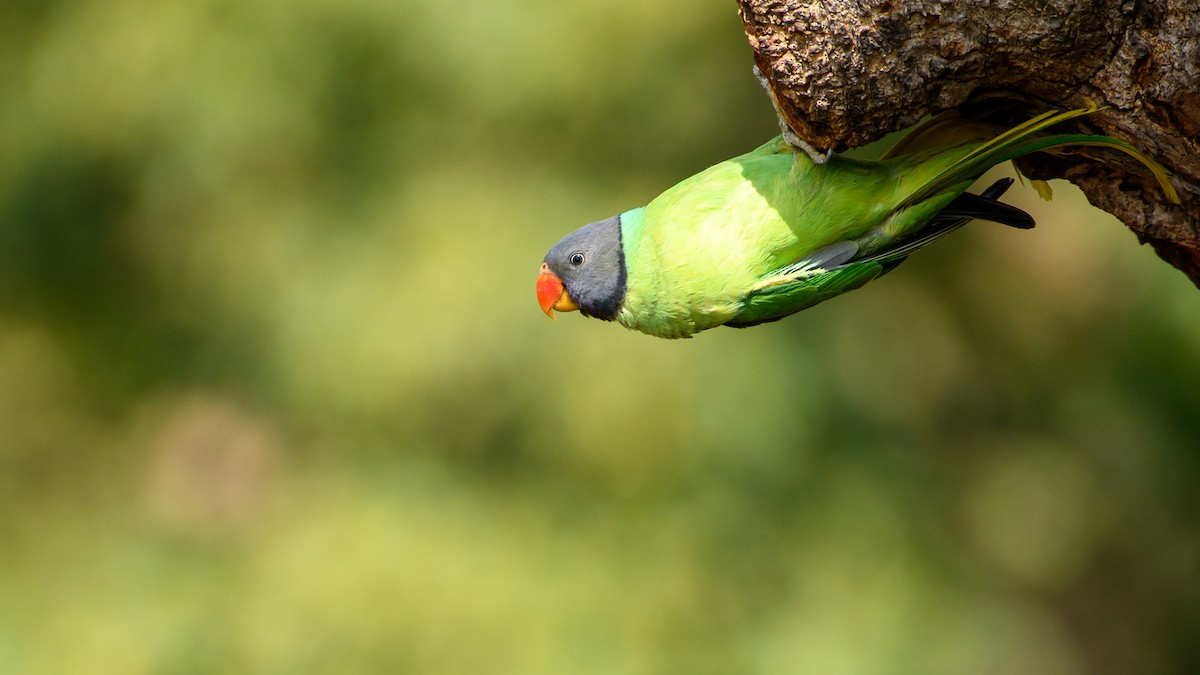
x: 772, y: 232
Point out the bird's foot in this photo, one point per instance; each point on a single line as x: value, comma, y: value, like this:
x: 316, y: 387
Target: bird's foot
x: 762, y: 80
x: 790, y: 136
x: 798, y: 143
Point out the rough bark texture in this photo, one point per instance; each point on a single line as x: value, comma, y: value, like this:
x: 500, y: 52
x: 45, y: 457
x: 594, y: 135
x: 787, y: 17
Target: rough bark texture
x: 847, y: 72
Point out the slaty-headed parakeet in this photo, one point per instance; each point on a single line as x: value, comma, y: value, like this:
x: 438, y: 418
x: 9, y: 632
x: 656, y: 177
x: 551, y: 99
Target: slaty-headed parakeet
x: 771, y: 232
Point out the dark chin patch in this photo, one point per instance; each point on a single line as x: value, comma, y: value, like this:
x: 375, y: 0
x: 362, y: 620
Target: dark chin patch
x: 605, y: 306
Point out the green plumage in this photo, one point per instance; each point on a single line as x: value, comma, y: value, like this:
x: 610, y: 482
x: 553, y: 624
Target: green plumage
x: 728, y: 246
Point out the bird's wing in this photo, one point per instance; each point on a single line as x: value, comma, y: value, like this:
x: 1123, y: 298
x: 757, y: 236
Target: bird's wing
x: 965, y: 208
x: 774, y: 301
x: 838, y: 268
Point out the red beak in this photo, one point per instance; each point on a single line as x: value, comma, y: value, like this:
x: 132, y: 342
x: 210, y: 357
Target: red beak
x: 551, y: 294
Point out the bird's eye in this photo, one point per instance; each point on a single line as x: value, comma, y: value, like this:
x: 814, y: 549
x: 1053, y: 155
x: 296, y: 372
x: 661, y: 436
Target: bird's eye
x: 577, y: 259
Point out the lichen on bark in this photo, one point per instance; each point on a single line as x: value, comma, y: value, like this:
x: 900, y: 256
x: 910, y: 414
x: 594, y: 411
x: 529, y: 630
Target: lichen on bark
x: 847, y: 72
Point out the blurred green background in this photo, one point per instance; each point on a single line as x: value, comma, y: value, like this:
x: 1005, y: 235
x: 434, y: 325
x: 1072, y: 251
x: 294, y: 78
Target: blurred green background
x: 276, y: 396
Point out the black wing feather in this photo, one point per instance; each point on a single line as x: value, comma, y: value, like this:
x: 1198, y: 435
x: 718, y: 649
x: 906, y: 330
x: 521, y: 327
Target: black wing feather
x: 965, y: 208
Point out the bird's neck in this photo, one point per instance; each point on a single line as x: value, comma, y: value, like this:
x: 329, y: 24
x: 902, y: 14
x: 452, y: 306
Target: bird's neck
x: 632, y: 222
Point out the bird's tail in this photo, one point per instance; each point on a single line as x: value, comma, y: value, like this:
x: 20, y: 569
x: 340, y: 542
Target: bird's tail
x: 1023, y: 139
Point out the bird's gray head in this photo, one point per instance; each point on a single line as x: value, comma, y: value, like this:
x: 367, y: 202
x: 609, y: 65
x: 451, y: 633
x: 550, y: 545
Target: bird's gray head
x: 585, y: 271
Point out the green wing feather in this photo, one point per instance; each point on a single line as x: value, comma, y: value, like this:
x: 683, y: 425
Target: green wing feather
x: 775, y: 302
x: 1024, y: 139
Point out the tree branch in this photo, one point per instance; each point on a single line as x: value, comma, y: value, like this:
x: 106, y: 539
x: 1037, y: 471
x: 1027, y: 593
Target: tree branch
x: 847, y: 72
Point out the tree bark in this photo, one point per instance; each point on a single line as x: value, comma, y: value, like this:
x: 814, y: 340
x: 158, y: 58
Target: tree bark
x: 847, y: 72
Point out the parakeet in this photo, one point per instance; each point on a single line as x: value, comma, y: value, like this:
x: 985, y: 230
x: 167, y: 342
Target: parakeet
x: 769, y: 233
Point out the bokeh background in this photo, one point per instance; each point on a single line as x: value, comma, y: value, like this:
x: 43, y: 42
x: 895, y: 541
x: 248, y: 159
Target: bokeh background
x: 276, y: 397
